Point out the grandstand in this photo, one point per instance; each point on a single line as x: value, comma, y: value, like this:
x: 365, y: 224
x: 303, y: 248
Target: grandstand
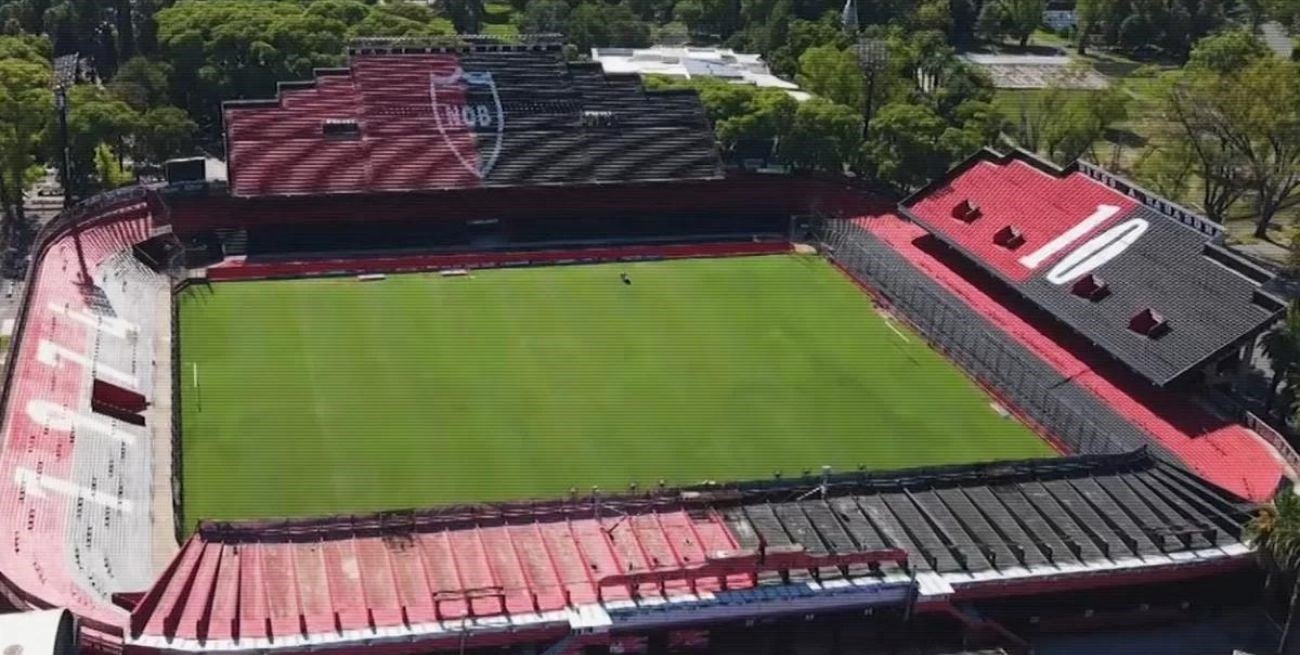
x: 635, y: 565
x: 450, y: 119
x: 1155, y: 293
x: 346, y: 176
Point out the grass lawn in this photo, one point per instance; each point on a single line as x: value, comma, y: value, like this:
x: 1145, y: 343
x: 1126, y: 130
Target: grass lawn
x: 332, y: 395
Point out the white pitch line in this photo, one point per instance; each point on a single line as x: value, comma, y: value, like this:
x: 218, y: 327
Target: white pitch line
x: 897, y: 331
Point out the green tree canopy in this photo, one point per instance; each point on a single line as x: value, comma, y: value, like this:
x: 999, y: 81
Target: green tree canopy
x: 832, y: 73
x: 544, y: 17
x: 823, y: 136
x: 1244, y: 144
x: 141, y: 83
x: 25, y: 107
x: 596, y: 24
x: 909, y: 145
x: 163, y: 133
x: 1227, y: 52
x: 95, y: 118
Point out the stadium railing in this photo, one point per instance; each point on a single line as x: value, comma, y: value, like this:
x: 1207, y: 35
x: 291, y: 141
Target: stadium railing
x: 995, y: 367
x: 1274, y: 439
x: 178, y: 498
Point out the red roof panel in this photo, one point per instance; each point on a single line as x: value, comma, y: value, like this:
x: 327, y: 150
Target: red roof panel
x: 1041, y: 206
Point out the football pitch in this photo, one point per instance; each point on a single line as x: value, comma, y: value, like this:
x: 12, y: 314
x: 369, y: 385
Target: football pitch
x: 324, y: 396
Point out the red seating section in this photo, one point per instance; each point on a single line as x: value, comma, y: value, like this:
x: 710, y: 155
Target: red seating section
x: 282, y: 587
x: 36, y: 460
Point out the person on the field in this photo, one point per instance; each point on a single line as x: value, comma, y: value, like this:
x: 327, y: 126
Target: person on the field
x: 625, y: 278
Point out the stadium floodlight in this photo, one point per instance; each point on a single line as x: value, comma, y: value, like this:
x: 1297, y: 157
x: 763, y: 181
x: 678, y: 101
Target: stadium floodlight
x: 65, y: 75
x: 873, y: 56
x: 65, y: 71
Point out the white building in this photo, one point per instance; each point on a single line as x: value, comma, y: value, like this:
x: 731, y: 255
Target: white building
x: 721, y: 63
x: 1059, y: 15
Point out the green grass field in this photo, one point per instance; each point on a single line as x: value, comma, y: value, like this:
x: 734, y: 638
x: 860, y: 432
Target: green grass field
x: 332, y: 395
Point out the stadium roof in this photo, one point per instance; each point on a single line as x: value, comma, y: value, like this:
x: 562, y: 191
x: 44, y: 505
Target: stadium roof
x: 424, y: 119
x: 722, y: 63
x: 1132, y: 273
x: 693, y: 556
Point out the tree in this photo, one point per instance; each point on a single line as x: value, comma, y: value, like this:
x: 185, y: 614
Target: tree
x: 1167, y: 168
x: 1022, y: 18
x: 348, y: 12
x: 228, y: 49
x: 25, y: 105
x: 544, y: 17
x: 908, y: 145
x: 400, y: 19
x: 1215, y: 162
x: 833, y: 74
x: 1227, y: 52
x: 141, y: 83
x: 802, y: 35
x: 95, y: 118
x: 964, y: 14
x: 991, y: 23
x: 1081, y: 121
x: 1135, y: 31
x: 163, y: 133
x: 1088, y: 15
x: 1282, y: 347
x: 739, y: 112
x: 934, y: 15
x: 689, y: 13
x: 1015, y: 18
x: 1258, y: 142
x: 767, y: 115
x: 1274, y: 532
x: 600, y: 25
x: 1269, y: 137
x: 466, y: 15
x: 109, y: 172
x: 823, y: 136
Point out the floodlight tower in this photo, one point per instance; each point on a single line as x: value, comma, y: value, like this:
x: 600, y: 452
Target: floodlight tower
x: 65, y: 75
x: 873, y: 56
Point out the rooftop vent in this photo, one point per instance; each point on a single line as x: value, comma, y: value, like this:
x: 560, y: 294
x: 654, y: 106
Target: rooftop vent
x: 966, y: 211
x: 1091, y: 287
x: 340, y: 128
x: 1009, y: 238
x: 1148, y: 323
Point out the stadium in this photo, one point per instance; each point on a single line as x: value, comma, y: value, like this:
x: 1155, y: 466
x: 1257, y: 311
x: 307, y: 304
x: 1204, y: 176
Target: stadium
x: 477, y: 349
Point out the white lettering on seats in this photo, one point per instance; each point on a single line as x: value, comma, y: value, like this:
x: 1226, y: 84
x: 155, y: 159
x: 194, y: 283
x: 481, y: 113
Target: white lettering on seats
x: 58, y: 417
x: 106, y: 324
x: 36, y: 484
x: 52, y: 354
x: 1102, y: 214
x: 1099, y: 250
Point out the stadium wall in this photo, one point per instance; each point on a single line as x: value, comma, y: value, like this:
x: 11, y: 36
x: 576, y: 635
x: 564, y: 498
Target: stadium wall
x: 415, y: 263
x: 200, y: 207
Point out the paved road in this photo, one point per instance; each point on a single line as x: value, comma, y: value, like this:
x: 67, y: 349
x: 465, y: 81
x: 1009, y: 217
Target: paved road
x: 1277, y: 38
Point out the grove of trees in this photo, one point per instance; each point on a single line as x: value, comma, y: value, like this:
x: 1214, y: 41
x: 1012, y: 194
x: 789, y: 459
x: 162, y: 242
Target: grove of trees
x: 159, y: 69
